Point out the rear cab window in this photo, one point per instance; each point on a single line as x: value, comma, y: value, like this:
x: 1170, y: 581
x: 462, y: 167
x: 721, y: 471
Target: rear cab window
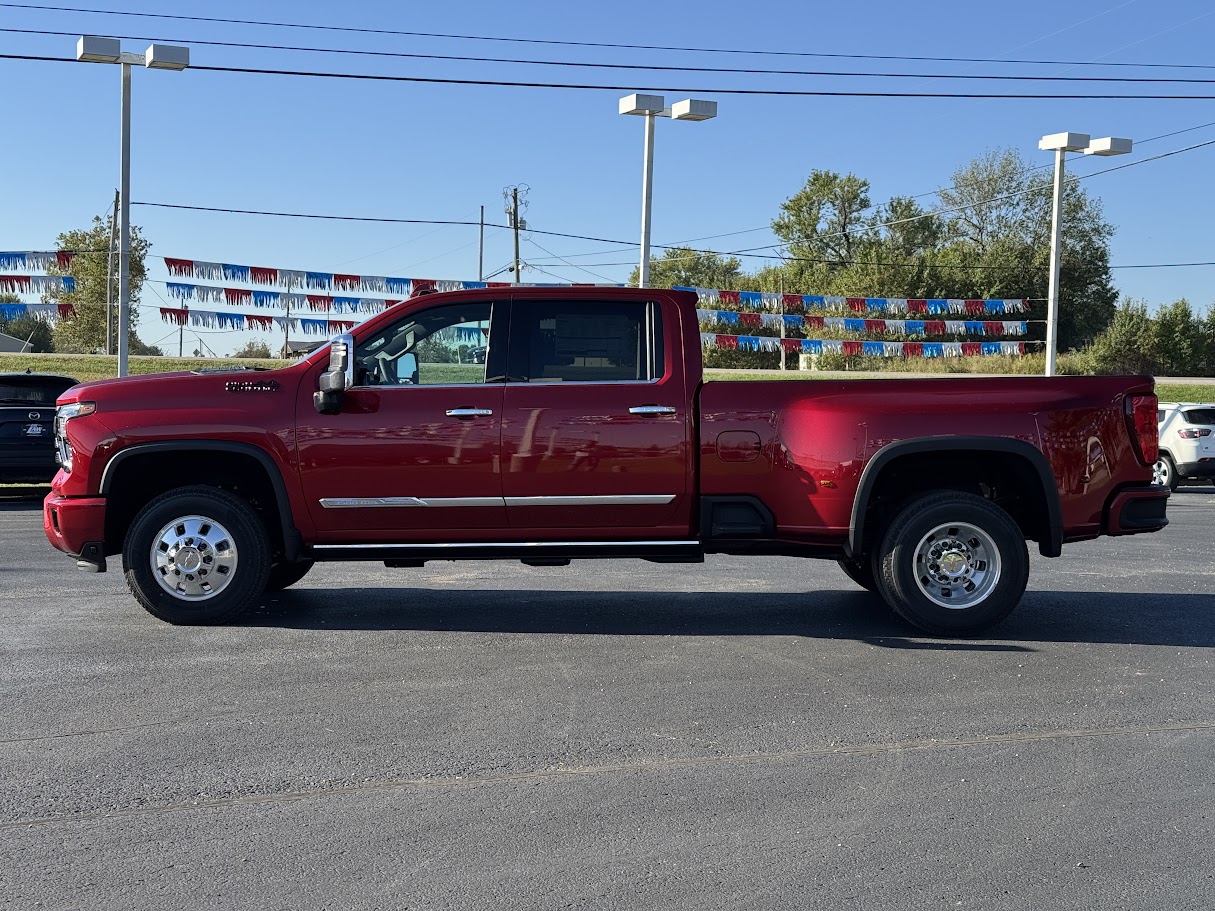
x: 593, y: 341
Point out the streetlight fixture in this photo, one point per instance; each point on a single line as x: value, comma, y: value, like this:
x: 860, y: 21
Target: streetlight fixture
x: 649, y: 107
x: 91, y: 49
x: 1061, y: 144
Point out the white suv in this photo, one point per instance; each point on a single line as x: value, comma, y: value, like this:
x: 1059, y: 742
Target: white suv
x: 1187, y: 442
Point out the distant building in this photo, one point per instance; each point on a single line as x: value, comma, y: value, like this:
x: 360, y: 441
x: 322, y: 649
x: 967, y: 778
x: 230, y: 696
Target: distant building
x: 296, y: 350
x: 10, y: 345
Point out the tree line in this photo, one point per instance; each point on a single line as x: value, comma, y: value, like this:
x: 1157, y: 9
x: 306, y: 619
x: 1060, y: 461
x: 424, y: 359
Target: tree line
x: 986, y: 236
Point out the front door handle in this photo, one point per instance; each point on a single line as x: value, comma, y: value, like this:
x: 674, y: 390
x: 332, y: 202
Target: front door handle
x: 651, y: 409
x: 468, y: 412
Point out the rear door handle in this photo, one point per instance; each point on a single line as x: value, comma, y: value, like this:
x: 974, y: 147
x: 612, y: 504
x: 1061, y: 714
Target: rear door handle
x: 651, y: 409
x: 469, y: 412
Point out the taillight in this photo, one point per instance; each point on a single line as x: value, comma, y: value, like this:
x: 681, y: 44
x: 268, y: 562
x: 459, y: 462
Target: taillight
x: 1186, y: 434
x: 1141, y: 422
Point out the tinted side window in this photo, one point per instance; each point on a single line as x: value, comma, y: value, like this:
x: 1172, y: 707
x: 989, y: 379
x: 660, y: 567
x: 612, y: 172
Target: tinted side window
x: 587, y: 341
x: 1201, y: 416
x: 440, y: 346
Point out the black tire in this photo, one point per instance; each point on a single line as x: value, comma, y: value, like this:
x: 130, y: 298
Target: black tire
x: 984, y: 547
x: 284, y: 575
x: 1165, y: 472
x: 196, y: 532
x: 859, y: 572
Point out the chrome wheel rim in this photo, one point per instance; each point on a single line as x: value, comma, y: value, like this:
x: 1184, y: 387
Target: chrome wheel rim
x: 193, y: 558
x: 1160, y: 472
x: 957, y: 565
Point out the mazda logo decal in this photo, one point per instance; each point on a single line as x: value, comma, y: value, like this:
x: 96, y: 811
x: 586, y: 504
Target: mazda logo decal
x: 34, y: 416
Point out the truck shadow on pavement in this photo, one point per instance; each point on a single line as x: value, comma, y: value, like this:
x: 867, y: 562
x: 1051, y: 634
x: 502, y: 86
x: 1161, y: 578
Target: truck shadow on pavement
x: 1183, y: 620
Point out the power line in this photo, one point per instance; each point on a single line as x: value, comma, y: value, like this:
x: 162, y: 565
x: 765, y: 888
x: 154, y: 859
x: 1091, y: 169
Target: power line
x: 578, y: 86
x: 750, y: 252
x: 624, y: 66
x: 937, y: 192
x: 598, y: 44
x: 1038, y: 189
x: 566, y: 261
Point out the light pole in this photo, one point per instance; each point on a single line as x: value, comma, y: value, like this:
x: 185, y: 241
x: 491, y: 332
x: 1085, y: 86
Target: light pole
x: 91, y: 49
x: 1061, y: 144
x: 649, y: 107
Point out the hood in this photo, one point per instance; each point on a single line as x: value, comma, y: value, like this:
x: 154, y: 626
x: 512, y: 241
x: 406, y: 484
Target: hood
x: 180, y: 385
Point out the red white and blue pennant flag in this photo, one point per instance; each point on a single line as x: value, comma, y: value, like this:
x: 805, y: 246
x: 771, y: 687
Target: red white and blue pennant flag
x: 215, y: 294
x: 34, y: 261
x: 36, y: 284
x: 763, y: 301
x: 859, y: 348
x: 316, y: 281
x: 213, y: 319
x: 46, y: 312
x: 872, y: 326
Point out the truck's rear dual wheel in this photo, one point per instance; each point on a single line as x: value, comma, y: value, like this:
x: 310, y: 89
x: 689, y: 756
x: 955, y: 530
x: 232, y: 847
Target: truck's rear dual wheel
x: 196, y: 555
x: 952, y: 563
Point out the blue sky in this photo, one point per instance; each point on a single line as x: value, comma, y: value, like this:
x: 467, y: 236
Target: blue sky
x: 414, y: 150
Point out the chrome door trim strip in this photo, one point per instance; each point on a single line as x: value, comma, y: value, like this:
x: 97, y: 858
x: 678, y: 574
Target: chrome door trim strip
x: 644, y: 499
x: 505, y: 544
x: 398, y: 502
x: 641, y: 499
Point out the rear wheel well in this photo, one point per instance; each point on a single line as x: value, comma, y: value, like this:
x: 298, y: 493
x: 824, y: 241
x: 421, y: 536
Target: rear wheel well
x: 140, y: 478
x: 1008, y: 479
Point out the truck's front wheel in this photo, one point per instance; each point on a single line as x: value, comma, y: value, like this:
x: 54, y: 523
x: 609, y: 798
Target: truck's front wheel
x: 952, y: 563
x: 196, y: 555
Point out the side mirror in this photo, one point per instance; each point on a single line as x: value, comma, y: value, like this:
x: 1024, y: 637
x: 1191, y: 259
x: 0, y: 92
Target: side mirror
x: 337, y: 378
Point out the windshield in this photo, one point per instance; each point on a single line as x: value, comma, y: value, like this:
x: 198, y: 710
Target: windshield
x: 33, y: 390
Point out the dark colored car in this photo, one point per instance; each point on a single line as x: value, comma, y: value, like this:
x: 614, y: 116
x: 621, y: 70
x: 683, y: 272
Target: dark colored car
x: 27, y: 426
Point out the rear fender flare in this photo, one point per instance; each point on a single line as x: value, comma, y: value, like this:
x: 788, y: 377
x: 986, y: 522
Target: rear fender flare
x: 1050, y: 546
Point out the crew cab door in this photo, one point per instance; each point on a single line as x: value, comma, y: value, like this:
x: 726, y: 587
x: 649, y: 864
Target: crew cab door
x: 416, y: 449
x: 596, y: 426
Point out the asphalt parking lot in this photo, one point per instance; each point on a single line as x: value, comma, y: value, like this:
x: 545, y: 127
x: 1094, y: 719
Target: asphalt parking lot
x: 743, y: 734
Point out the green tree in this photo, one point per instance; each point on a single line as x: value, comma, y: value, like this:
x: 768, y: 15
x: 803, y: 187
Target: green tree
x: 85, y: 332
x: 997, y: 218
x: 27, y: 328
x: 1128, y: 344
x: 688, y: 268
x: 30, y: 329
x: 1207, y: 330
x: 1178, y: 342
x: 824, y: 220
x: 253, y: 349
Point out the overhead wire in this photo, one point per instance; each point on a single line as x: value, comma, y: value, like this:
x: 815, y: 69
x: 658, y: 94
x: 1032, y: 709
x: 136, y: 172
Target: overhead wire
x: 571, y: 43
x: 648, y: 67
x: 751, y: 252
x: 578, y: 86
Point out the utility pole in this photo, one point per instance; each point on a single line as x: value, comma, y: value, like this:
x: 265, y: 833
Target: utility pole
x: 109, y: 280
x: 511, y: 195
x: 481, y: 249
x: 124, y: 254
x: 514, y: 192
x: 181, y: 327
x: 287, y: 321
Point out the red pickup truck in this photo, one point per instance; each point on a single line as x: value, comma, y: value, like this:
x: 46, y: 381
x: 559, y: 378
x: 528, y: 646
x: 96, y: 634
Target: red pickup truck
x: 547, y: 424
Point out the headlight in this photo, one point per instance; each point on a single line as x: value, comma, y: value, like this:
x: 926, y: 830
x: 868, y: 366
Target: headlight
x: 63, y: 414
